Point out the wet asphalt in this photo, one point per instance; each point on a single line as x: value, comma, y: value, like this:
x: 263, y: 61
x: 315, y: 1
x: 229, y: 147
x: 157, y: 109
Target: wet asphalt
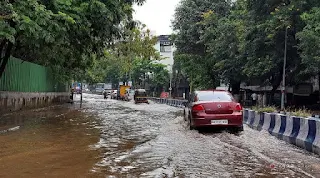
x: 109, y: 138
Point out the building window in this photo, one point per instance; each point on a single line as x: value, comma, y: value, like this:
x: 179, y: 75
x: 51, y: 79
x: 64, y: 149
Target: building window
x: 165, y: 48
x: 162, y: 49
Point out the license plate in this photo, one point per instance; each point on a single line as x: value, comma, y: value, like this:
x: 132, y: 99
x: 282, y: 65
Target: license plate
x: 219, y: 122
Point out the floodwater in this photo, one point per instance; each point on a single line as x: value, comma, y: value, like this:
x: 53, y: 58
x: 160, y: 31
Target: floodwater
x: 109, y: 138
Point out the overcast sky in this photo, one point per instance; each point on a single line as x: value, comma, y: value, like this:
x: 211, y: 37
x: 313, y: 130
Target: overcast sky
x: 157, y: 15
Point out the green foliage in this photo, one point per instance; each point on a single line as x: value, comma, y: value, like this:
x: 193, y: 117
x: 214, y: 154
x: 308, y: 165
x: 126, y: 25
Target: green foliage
x: 67, y: 35
x: 310, y: 41
x: 223, y: 39
x: 245, y: 42
x: 191, y: 49
x: 150, y: 72
x: 131, y: 58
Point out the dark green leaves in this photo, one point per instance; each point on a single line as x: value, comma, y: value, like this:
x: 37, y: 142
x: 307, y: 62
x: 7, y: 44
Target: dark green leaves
x: 64, y: 33
x: 245, y: 41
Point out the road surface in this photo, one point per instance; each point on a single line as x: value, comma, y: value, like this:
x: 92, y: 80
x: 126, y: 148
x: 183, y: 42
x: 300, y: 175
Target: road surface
x: 109, y: 138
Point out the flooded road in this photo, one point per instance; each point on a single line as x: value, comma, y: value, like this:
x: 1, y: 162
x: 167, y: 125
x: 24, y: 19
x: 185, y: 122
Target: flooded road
x: 109, y: 138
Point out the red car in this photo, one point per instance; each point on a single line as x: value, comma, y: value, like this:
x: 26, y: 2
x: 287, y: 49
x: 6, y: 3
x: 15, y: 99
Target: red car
x: 213, y: 108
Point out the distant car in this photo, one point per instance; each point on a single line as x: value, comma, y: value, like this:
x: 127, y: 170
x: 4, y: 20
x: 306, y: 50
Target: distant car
x: 99, y: 91
x: 213, y: 108
x: 86, y: 90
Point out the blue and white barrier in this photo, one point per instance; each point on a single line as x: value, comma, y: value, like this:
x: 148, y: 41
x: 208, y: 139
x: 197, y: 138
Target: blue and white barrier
x: 170, y: 102
x: 302, y: 132
x: 316, y: 116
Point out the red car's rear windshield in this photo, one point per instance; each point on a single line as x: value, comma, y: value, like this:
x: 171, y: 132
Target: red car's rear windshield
x: 221, y: 96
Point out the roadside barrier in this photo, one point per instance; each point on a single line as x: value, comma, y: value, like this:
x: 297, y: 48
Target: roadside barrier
x: 170, y: 102
x: 316, y: 116
x: 302, y: 132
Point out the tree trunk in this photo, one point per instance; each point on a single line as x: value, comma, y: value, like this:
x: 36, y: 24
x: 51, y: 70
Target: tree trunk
x: 81, y: 95
x: 235, y: 86
x: 2, y: 44
x: 5, y: 59
x: 275, y: 86
x: 319, y: 86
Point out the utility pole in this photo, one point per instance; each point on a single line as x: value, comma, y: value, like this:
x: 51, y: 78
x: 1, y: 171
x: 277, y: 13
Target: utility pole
x: 283, y: 89
x: 170, y: 88
x: 170, y: 78
x: 81, y: 95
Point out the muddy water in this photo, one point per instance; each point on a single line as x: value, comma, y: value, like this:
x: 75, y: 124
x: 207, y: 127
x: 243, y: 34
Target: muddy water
x: 50, y: 142
x: 110, y: 138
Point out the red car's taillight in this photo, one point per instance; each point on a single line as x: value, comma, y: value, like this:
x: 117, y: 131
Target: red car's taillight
x: 197, y: 108
x: 238, y: 107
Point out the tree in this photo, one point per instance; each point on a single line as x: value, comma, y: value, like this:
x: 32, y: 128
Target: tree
x: 191, y: 50
x: 245, y: 42
x: 62, y: 34
x: 266, y: 36
x: 310, y: 44
x: 224, y: 41
x: 126, y: 59
x: 159, y: 77
x: 147, y: 71
x: 138, y: 43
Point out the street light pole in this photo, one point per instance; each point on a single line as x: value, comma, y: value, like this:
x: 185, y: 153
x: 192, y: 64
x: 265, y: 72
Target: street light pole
x: 283, y: 89
x: 81, y: 95
x: 170, y: 85
x: 170, y: 78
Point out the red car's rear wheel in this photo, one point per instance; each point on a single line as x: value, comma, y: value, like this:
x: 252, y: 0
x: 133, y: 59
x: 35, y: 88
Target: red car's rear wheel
x: 191, y: 127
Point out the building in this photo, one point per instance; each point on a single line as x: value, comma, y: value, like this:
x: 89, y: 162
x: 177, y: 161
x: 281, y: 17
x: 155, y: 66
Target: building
x: 301, y: 94
x: 179, y: 87
x: 166, y: 49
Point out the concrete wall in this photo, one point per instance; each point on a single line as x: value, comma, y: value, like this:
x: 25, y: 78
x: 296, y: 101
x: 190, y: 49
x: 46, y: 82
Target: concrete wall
x: 13, y: 101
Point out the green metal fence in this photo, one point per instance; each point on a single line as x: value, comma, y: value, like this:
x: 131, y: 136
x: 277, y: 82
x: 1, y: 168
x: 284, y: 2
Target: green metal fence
x: 22, y: 76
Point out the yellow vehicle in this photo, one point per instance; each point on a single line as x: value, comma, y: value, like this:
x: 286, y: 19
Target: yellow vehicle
x: 140, y: 96
x: 122, y: 91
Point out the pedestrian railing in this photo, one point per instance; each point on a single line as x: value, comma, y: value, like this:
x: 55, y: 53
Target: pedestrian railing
x: 170, y: 102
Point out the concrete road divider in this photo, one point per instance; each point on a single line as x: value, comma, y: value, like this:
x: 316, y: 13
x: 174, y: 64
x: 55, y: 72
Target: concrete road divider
x: 302, y: 132
x: 316, y: 116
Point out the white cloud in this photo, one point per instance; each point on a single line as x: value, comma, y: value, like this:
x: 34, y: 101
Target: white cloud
x: 157, y: 15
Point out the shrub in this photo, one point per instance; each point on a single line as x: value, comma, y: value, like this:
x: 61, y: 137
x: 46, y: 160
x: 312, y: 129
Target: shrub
x: 299, y: 113
x: 268, y: 109
x: 290, y: 112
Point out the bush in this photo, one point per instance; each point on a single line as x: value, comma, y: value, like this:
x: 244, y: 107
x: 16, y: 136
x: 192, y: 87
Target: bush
x: 267, y: 109
x: 299, y: 113
x: 290, y: 112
